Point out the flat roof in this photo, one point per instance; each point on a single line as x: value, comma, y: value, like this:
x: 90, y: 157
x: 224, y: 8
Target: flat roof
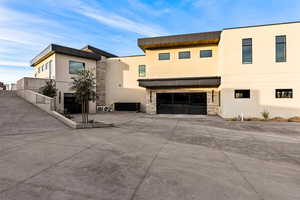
x: 192, y: 39
x: 179, y: 40
x: 273, y: 24
x: 94, y: 53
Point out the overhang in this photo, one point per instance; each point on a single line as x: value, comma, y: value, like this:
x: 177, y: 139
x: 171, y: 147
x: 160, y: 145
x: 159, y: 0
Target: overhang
x: 189, y: 82
x: 180, y: 40
x: 54, y: 48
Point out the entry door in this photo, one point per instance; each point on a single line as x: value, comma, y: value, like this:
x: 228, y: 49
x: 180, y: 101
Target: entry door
x: 70, y: 104
x: 182, y: 103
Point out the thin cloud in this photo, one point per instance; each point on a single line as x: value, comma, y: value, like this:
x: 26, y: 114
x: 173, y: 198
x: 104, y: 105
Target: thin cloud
x: 13, y: 63
x: 117, y: 21
x: 140, y: 6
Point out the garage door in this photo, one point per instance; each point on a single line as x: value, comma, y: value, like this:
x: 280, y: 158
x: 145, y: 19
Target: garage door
x: 182, y: 103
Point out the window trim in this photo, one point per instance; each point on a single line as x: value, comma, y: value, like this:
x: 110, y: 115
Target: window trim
x: 239, y: 91
x: 77, y: 62
x: 206, y: 50
x: 182, y: 52
x: 166, y: 53
x: 285, y: 52
x: 285, y: 89
x: 247, y: 45
x: 140, y: 72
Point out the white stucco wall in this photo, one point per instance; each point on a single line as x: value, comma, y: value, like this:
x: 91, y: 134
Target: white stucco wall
x: 264, y: 75
x: 121, y: 83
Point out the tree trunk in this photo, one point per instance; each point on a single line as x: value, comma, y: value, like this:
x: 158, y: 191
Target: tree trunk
x: 82, y: 111
x: 87, y: 111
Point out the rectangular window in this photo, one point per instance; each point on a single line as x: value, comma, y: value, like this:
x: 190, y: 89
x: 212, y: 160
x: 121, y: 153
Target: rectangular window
x: 46, y: 66
x: 284, y: 93
x: 142, y: 70
x: 242, y: 94
x: 42, y: 67
x: 281, y: 48
x: 164, y: 56
x: 39, y: 69
x: 247, y: 51
x: 184, y: 55
x: 76, y: 67
x: 205, y: 53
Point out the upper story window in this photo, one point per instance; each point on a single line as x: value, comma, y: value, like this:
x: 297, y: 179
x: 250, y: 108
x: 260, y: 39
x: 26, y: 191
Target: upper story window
x: 142, y: 70
x: 205, y: 53
x: 43, y: 67
x: 247, y: 51
x: 46, y: 66
x: 164, y: 56
x: 76, y: 67
x: 39, y: 69
x: 281, y: 48
x: 50, y: 63
x: 242, y: 94
x: 284, y: 93
x: 184, y: 55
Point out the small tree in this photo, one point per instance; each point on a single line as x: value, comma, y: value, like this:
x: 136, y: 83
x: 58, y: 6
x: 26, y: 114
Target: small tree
x: 84, y: 85
x: 49, y: 89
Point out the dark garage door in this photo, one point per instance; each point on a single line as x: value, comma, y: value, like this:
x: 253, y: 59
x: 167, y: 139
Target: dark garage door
x: 70, y: 105
x: 182, y: 103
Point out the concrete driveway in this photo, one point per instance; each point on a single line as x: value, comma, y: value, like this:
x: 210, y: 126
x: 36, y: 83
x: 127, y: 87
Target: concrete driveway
x: 154, y: 157
x: 20, y: 117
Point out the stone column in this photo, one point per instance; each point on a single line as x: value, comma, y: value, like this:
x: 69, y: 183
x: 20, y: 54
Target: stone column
x: 100, y: 82
x: 150, y: 101
x: 212, y: 102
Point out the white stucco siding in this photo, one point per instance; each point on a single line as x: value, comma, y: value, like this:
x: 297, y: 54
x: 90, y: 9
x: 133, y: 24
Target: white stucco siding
x: 121, y: 83
x: 63, y: 77
x: 264, y: 75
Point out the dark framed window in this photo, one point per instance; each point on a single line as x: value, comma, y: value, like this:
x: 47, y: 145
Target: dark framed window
x: 242, y: 94
x: 184, y: 55
x: 43, y: 67
x: 205, y: 53
x: 247, y: 51
x: 164, y: 56
x: 76, y: 67
x: 281, y: 48
x: 142, y: 70
x: 284, y: 93
x: 39, y: 69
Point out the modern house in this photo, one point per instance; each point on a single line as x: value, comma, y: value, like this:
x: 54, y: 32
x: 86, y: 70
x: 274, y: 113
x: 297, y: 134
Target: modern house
x: 232, y: 72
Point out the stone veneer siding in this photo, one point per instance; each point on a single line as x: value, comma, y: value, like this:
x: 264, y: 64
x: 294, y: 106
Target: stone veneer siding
x: 100, y: 82
x: 212, y: 106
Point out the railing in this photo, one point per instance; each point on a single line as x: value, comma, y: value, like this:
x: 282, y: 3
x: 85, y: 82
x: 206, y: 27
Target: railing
x: 8, y: 93
x: 45, y: 103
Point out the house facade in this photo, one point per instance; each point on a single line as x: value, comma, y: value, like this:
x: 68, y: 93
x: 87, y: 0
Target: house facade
x: 234, y: 72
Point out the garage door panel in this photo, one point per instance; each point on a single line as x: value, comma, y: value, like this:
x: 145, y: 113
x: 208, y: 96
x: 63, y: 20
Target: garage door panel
x: 182, y: 103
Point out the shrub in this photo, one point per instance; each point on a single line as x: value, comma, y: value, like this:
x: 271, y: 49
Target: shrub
x: 49, y: 89
x: 294, y: 119
x: 278, y: 119
x: 265, y: 114
x: 233, y: 119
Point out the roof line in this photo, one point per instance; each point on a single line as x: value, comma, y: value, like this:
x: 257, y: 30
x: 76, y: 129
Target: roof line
x: 184, y: 34
x: 272, y: 24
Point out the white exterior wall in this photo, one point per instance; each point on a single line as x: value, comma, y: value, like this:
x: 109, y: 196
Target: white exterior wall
x: 63, y: 77
x: 263, y: 76
x: 121, y: 83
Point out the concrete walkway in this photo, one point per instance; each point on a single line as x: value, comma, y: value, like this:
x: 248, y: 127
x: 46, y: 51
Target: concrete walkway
x: 155, y: 157
x: 20, y: 117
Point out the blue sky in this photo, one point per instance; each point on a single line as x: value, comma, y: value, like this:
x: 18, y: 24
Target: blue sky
x: 28, y: 26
